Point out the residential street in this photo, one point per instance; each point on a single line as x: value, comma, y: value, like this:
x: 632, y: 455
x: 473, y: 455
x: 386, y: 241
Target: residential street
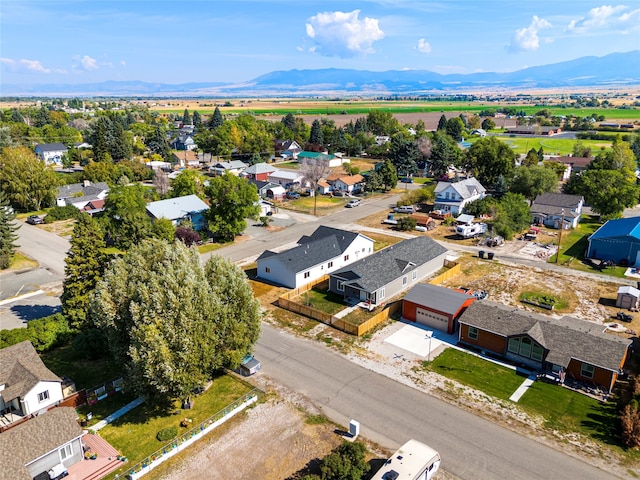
x: 391, y: 413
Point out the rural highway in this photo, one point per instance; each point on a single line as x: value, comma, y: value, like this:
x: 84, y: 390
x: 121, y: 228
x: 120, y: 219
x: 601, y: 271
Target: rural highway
x: 391, y: 413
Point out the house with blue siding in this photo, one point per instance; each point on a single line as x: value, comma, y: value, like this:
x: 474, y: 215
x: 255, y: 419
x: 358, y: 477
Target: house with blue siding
x: 617, y: 240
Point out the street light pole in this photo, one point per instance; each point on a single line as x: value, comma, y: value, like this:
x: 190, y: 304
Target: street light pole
x: 429, y: 335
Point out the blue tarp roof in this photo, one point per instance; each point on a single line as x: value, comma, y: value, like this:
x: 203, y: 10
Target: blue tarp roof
x: 621, y: 227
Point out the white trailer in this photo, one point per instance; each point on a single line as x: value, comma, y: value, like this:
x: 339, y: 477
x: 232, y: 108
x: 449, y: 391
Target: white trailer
x: 472, y: 230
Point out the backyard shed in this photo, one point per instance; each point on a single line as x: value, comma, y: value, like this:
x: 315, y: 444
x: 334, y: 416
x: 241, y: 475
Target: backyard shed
x: 628, y: 297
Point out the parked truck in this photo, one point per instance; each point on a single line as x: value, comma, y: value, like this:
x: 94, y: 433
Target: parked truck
x: 471, y: 230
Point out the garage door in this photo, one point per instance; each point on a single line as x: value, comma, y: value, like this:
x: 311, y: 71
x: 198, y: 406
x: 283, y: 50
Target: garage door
x: 432, y: 320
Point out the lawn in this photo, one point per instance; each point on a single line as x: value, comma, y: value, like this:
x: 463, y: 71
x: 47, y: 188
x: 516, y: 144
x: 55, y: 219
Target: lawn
x: 324, y: 205
x: 323, y: 300
x: 478, y: 373
x: 134, y: 434
x: 20, y: 261
x: 381, y: 240
x: 557, y: 146
x: 85, y: 373
x: 574, y: 245
x: 105, y: 407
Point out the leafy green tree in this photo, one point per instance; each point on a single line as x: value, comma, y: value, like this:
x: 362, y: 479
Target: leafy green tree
x: 488, y: 124
x: 404, y: 155
x: 531, y: 159
x: 158, y: 144
x: 533, y: 181
x: 84, y: 266
x: 233, y: 199
x: 125, y: 216
x: 289, y: 122
x: 188, y: 182
x: 172, y: 323
x: 388, y: 175
x: 484, y: 206
x: 488, y: 158
x: 619, y: 157
x: 316, y: 136
x: 442, y: 123
x: 380, y: 122
x: 28, y: 183
x: 512, y: 216
x: 407, y: 224
x: 608, y: 192
x: 8, y: 230
x: 581, y: 150
x: 163, y: 229
x: 216, y: 119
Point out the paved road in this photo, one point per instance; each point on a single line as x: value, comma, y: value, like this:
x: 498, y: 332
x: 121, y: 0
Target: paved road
x: 48, y: 249
x: 390, y: 413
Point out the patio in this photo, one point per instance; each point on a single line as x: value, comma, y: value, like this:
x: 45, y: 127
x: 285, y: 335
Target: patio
x: 106, y: 462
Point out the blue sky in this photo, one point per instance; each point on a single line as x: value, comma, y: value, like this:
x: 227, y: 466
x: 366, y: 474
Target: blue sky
x: 74, y: 42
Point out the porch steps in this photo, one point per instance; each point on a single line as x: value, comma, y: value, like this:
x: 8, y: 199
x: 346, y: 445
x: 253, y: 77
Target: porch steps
x: 105, y: 470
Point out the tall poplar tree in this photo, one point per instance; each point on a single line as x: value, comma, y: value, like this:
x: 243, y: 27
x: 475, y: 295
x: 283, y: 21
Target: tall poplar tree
x: 8, y: 229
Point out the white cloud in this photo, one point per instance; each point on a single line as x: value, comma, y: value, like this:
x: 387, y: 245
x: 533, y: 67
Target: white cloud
x: 423, y: 46
x: 343, y: 34
x: 123, y: 63
x: 525, y: 39
x: 24, y: 65
x: 606, y: 16
x: 89, y: 63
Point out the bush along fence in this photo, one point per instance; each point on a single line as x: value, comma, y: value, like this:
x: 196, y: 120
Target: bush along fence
x: 186, y: 439
x: 285, y: 301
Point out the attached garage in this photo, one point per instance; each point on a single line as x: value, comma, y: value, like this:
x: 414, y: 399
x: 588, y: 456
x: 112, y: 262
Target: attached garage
x: 435, y: 307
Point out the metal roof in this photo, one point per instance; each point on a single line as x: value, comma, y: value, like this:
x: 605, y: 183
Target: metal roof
x: 622, y: 227
x: 175, y: 208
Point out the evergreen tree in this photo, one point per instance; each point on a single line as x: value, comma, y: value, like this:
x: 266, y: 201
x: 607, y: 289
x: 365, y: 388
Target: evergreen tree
x: 197, y: 120
x: 186, y: 118
x: 541, y: 154
x: 121, y: 148
x: 289, y: 122
x: 216, y: 119
x: 158, y: 144
x: 84, y: 267
x: 442, y: 123
x: 16, y: 116
x: 316, y: 136
x: 8, y: 229
x: 454, y: 128
x: 42, y: 117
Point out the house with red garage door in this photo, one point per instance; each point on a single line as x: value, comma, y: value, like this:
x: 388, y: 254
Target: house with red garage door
x: 435, y: 307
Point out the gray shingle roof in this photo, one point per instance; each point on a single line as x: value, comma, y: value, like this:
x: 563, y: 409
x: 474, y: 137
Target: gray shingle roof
x: 383, y: 267
x: 23, y: 444
x: 51, y: 147
x: 324, y: 244
x: 442, y: 299
x: 21, y: 369
x: 467, y: 188
x: 92, y: 190
x: 553, y: 203
x: 564, y: 338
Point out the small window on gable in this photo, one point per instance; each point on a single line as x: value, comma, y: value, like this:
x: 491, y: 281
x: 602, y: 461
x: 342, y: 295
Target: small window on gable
x: 267, y: 270
x: 307, y: 274
x: 404, y: 280
x: 473, y: 333
x: 42, y: 396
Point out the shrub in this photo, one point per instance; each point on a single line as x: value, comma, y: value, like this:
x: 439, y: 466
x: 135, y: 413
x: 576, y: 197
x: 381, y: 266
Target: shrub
x: 90, y: 344
x: 187, y: 236
x: 407, y: 223
x: 167, y: 434
x: 44, y: 333
x: 62, y: 213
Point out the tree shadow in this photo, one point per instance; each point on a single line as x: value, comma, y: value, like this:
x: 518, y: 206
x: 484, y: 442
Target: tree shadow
x: 33, y: 312
x: 603, y: 422
x: 311, y: 468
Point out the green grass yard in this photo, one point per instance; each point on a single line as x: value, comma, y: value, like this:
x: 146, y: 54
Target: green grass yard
x: 550, y: 145
x: 134, y: 434
x: 85, y: 373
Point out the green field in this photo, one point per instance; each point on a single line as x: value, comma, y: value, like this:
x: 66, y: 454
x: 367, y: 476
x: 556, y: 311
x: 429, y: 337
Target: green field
x: 557, y: 146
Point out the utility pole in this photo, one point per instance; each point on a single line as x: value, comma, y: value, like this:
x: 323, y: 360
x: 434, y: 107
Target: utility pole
x: 560, y: 235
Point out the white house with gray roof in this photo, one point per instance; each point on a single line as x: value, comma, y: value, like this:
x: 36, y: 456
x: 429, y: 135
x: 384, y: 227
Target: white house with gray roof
x: 180, y: 209
x: 452, y: 197
x: 386, y: 273
x: 80, y: 194
x: 324, y: 251
x: 33, y: 448
x: 50, y: 153
x: 27, y: 386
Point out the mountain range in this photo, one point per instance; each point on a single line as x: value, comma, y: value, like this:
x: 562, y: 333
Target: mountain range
x: 616, y: 69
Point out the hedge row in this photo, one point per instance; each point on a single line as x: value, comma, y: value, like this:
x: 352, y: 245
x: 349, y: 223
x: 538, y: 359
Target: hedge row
x: 44, y: 333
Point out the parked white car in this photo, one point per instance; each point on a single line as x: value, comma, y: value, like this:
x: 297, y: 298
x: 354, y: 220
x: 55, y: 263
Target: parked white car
x: 405, y: 209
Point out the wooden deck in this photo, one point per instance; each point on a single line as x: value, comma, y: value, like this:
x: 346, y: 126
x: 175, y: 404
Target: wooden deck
x: 106, y: 462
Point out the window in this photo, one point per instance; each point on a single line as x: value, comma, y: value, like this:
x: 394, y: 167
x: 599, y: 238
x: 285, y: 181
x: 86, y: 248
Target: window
x: 340, y: 286
x: 307, y: 274
x: 414, y: 275
x: 43, y: 396
x: 473, y: 333
x: 66, y: 452
x: 586, y: 370
x: 267, y: 270
x: 525, y: 347
x: 404, y: 280
x: 346, y: 258
x: 536, y: 352
x: 514, y: 345
x: 382, y: 293
x: 330, y: 264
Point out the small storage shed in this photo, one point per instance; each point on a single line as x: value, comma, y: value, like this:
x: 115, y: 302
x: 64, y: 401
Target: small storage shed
x: 628, y: 297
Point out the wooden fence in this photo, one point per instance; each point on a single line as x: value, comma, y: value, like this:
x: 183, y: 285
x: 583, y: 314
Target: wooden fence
x: 450, y: 273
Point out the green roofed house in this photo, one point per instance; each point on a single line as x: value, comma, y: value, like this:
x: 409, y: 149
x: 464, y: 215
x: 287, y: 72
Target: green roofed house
x: 617, y: 240
x: 331, y: 159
